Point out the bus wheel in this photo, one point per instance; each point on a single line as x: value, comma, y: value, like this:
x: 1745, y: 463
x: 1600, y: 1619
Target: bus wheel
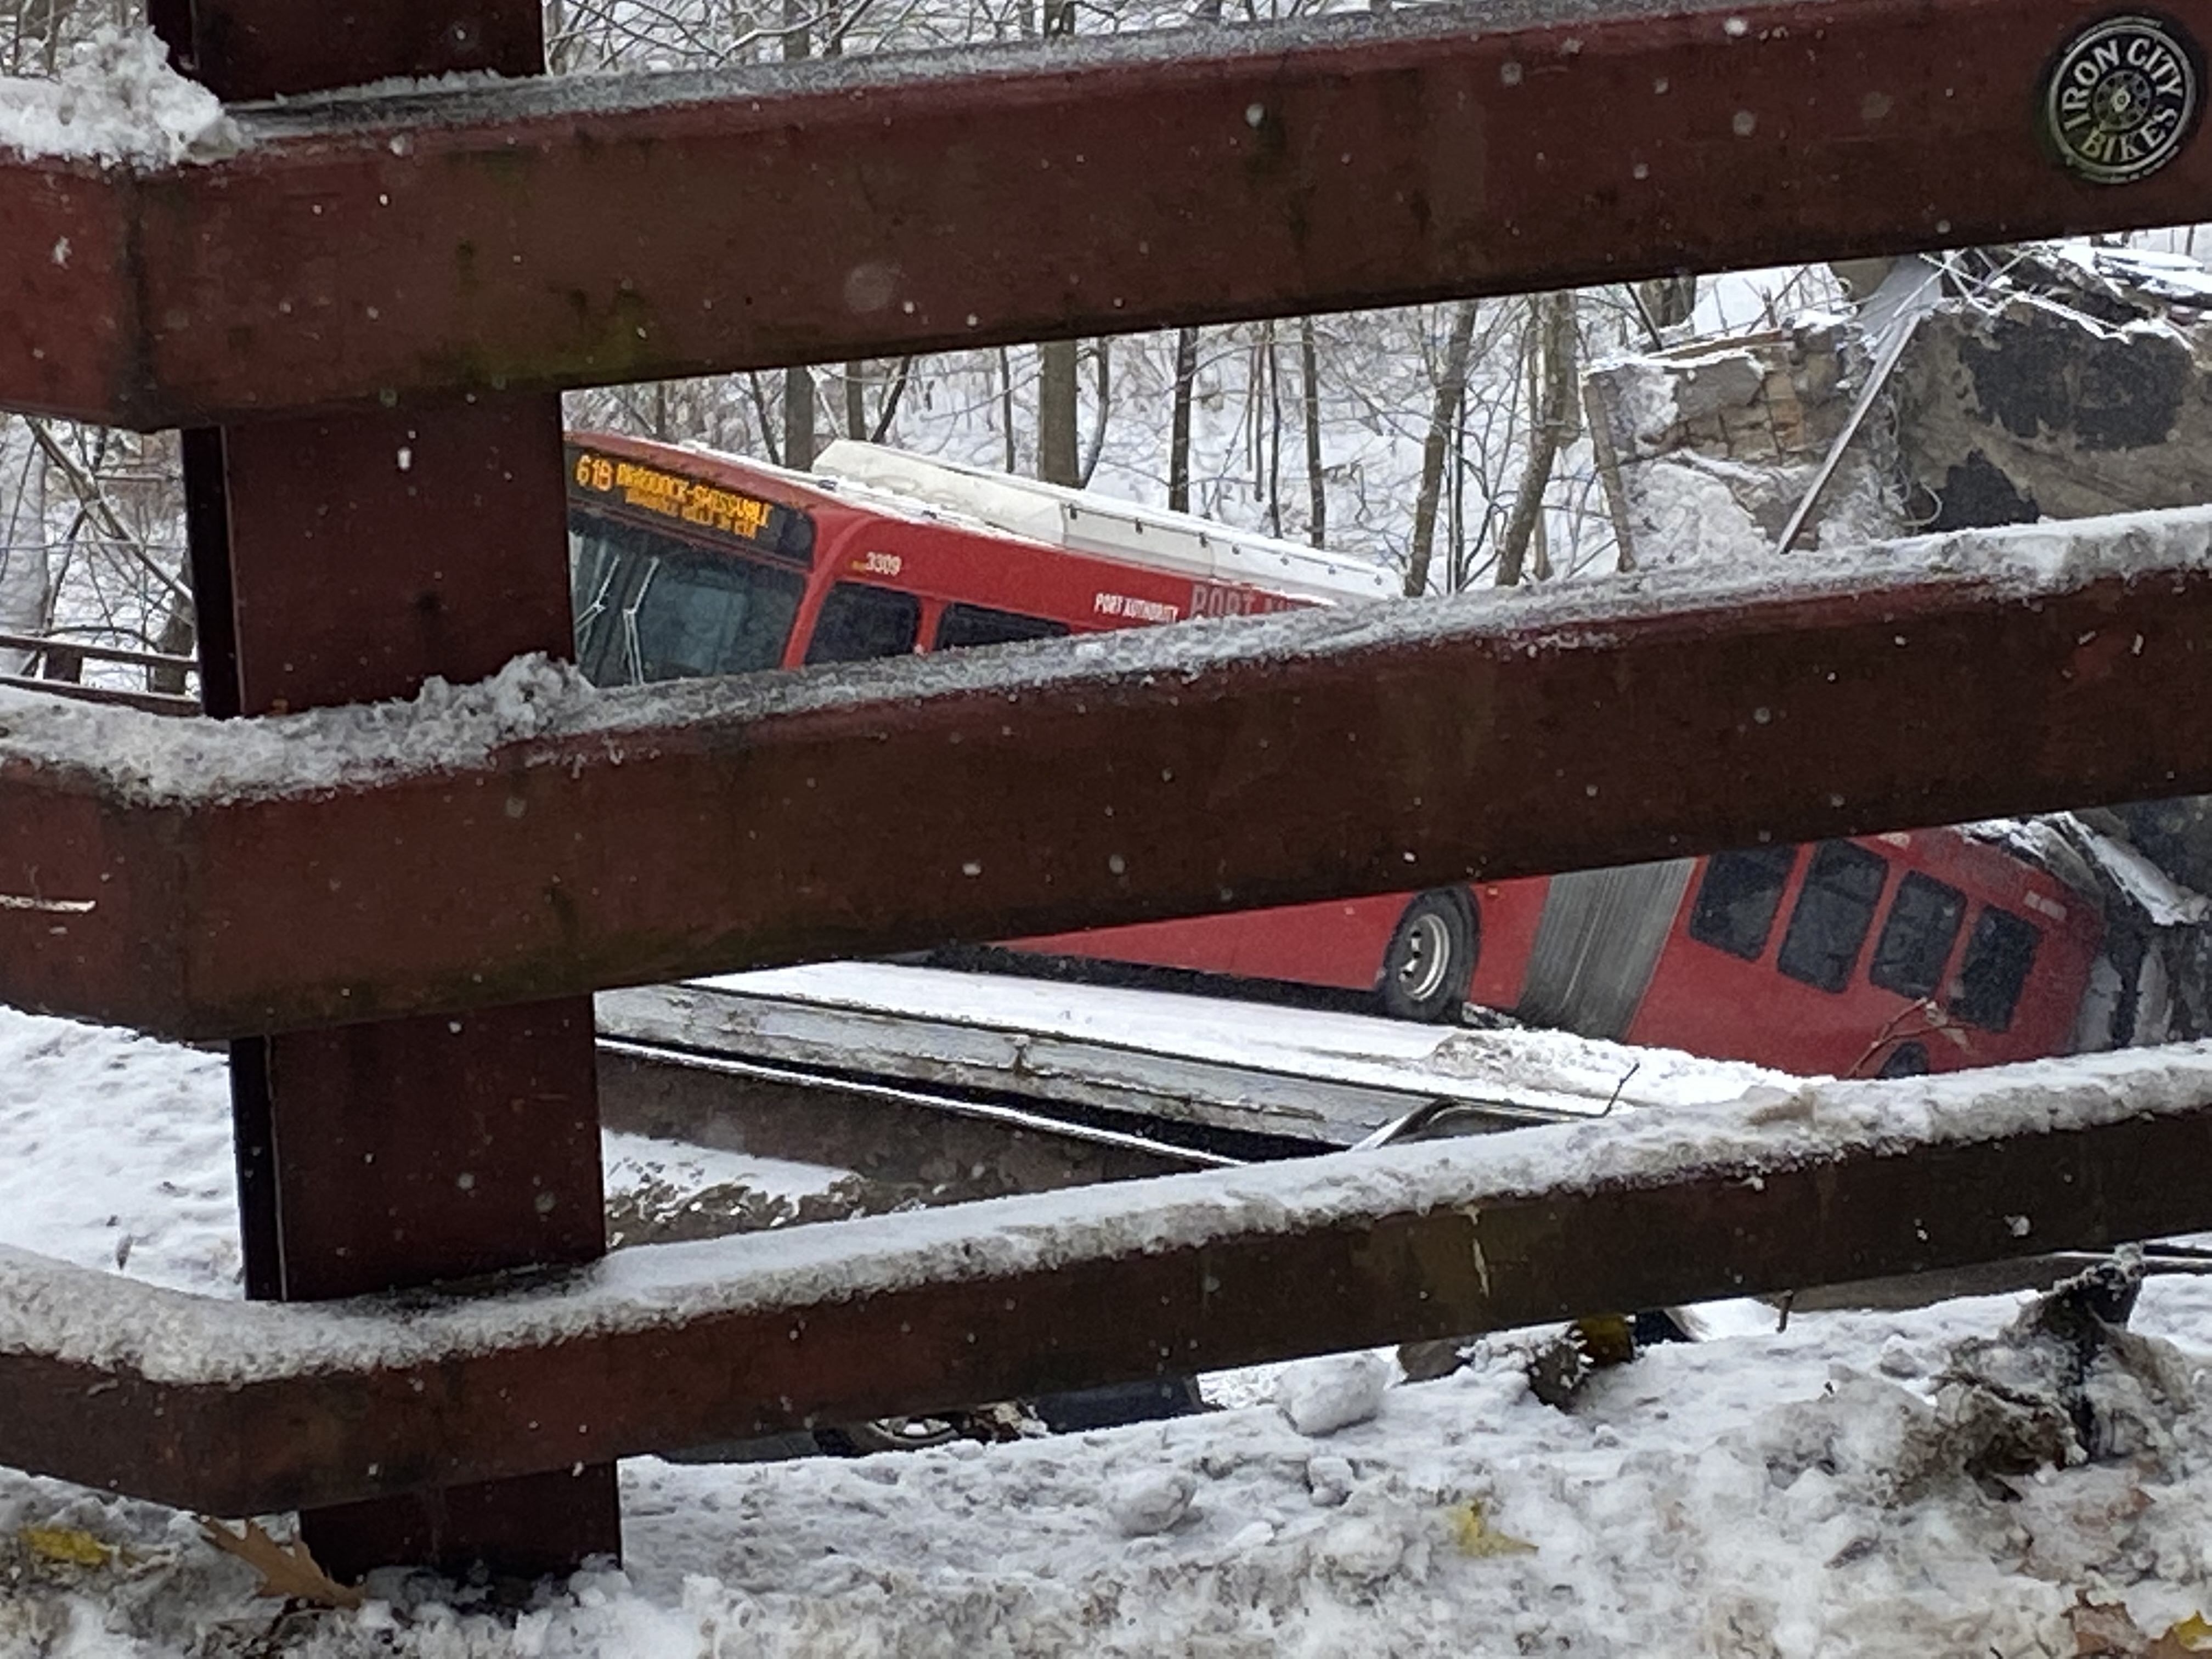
x: 887, y: 1434
x: 1431, y: 957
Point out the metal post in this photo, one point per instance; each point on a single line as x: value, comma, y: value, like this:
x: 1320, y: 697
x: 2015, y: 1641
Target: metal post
x: 346, y: 560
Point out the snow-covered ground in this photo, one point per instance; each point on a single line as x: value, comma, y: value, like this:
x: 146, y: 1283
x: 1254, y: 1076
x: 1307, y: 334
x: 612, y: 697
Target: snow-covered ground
x: 1832, y: 1487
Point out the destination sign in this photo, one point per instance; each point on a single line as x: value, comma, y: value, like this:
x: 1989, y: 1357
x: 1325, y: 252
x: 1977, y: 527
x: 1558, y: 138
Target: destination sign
x: 768, y: 526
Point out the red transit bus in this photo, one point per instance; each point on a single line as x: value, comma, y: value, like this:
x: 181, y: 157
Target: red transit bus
x: 686, y: 564
x: 1924, y: 952
x: 1886, y: 955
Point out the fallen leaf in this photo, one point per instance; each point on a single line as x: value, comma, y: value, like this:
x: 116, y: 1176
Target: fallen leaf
x: 288, y: 1571
x: 2184, y: 1637
x: 1472, y: 1533
x: 2103, y: 1629
x: 72, y: 1546
x: 1607, y: 1339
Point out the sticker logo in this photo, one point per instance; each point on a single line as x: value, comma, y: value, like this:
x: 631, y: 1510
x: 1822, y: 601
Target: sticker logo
x: 2122, y: 100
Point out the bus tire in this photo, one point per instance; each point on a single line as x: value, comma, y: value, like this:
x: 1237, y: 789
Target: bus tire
x: 1431, y: 957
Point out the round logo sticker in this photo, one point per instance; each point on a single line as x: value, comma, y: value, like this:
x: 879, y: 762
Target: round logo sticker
x: 2122, y: 99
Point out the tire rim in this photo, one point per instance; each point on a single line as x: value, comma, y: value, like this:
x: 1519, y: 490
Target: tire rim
x: 1428, y: 957
x: 909, y: 1433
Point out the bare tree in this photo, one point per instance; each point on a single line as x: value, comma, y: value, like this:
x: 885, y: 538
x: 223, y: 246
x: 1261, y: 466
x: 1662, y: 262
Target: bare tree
x: 1552, y: 423
x: 1316, y: 478
x: 1101, y: 361
x: 1006, y: 407
x: 1185, y: 375
x: 25, y: 577
x: 856, y: 404
x: 1057, y: 459
x: 1667, y: 301
x: 1443, y: 414
x: 1271, y: 370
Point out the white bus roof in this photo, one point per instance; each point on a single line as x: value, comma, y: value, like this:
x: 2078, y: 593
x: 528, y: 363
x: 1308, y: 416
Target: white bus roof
x: 1084, y: 521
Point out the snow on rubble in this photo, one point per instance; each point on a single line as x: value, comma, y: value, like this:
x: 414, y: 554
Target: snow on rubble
x: 1823, y: 1488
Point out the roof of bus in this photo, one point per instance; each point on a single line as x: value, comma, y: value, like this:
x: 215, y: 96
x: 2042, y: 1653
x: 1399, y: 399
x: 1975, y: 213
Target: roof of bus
x: 1087, y: 522
x: 919, y: 487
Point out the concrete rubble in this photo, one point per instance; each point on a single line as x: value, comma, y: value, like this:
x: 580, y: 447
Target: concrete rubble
x: 1997, y: 386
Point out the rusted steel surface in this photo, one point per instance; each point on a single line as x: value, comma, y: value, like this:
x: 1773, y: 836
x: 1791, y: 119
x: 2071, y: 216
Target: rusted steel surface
x: 251, y: 49
x: 356, y: 557
x: 546, y: 236
x: 70, y: 328
x: 350, y: 559
x: 409, y: 1151
x: 676, y: 1344
x: 371, y: 552
x: 359, y: 556
x: 799, y: 818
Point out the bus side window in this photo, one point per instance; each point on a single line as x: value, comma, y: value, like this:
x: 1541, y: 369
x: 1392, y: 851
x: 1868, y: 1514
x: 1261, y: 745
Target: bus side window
x: 1917, y: 939
x: 976, y: 625
x: 859, y: 622
x: 1835, y: 908
x: 1736, y: 902
x: 1999, y: 958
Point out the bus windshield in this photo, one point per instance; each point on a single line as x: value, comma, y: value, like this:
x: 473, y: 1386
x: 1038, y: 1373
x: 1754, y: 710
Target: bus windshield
x: 651, y: 607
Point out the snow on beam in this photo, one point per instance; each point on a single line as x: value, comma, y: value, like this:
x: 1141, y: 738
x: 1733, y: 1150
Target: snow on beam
x: 553, y: 235
x: 246, y: 1407
x: 529, y: 837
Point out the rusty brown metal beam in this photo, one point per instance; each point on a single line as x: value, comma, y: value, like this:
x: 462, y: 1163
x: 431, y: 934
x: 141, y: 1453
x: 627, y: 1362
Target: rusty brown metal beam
x: 359, y: 556
x: 543, y: 235
x: 346, y: 559
x: 254, y: 49
x: 219, y: 879
x: 241, y: 1409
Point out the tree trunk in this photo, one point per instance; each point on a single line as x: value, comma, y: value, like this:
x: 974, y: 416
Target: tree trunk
x: 902, y: 377
x: 1185, y: 375
x: 1057, y: 460
x: 1102, y: 361
x: 1316, y: 481
x: 26, y: 575
x: 759, y: 391
x: 1668, y: 301
x: 1274, y: 371
x: 1443, y: 413
x: 556, y: 38
x: 1552, y: 331
x: 179, y: 637
x: 799, y: 418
